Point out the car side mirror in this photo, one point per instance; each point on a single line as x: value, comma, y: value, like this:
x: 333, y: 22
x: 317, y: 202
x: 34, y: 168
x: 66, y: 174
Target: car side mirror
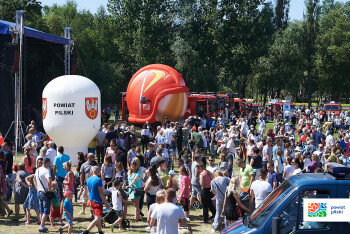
x: 276, y: 225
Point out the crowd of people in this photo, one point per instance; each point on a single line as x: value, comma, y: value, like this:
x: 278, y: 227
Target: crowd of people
x: 172, y: 169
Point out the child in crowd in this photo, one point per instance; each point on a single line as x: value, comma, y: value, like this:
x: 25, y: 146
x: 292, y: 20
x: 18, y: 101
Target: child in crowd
x: 160, y: 198
x: 288, y: 169
x: 32, y: 202
x: 68, y: 212
x: 117, y: 201
x: 172, y: 182
x: 69, y: 180
x: 55, y: 207
x: 306, y: 160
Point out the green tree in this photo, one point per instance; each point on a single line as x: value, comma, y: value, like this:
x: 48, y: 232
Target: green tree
x: 282, y: 13
x: 333, y: 52
x: 311, y: 30
x: 33, y: 14
x: 284, y: 65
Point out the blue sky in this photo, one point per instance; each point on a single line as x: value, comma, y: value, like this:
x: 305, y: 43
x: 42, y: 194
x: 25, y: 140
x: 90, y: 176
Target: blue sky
x: 297, y: 7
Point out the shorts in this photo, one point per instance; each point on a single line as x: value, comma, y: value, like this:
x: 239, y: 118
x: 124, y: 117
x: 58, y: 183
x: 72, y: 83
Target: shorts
x: 97, y: 208
x: 196, y: 189
x: 85, y: 194
x: 69, y: 221
x: 120, y: 213
x: 44, y: 203
x: 185, y: 202
x: 55, y: 212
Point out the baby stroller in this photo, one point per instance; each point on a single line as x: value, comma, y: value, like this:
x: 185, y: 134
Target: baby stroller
x: 110, y: 216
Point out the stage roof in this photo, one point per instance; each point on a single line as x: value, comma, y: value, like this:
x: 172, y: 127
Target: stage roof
x: 31, y: 32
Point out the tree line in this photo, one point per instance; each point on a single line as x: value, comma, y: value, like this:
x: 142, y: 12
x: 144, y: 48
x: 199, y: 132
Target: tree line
x: 248, y: 47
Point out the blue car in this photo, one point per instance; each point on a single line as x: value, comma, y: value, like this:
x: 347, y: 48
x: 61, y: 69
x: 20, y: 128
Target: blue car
x: 282, y: 211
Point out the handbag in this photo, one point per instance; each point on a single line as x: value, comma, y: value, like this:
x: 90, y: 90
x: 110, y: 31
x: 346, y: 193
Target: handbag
x: 138, y: 191
x: 49, y: 194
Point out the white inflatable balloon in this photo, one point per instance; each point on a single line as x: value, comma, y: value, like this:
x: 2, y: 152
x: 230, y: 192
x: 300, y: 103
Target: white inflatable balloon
x: 72, y: 113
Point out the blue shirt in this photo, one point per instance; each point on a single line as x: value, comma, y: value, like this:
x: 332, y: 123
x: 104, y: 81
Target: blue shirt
x: 67, y: 204
x: 274, y: 151
x: 93, y: 183
x: 132, y: 155
x: 272, y: 178
x: 9, y: 159
x: 319, y: 136
x: 59, y: 160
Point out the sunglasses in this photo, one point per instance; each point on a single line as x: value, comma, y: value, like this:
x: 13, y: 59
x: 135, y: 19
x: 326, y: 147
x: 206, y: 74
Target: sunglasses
x: 210, y: 160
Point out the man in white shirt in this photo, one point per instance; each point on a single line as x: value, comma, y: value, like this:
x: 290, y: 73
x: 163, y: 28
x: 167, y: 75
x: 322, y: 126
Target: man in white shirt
x: 244, y: 127
x: 51, y: 152
x: 212, y: 167
x: 167, y: 216
x: 231, y: 144
x: 315, y: 122
x: 43, y: 184
x: 168, y: 135
x: 307, y: 111
x: 320, y: 153
x: 259, y: 189
x: 347, y: 122
x: 330, y: 140
x: 261, y: 127
x: 286, y: 115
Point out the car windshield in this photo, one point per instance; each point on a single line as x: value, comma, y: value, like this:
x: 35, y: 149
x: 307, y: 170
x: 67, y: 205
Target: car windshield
x: 259, y: 215
x: 331, y: 107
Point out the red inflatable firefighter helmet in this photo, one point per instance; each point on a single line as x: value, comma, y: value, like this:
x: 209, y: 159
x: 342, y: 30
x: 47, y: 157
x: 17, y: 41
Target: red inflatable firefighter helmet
x: 156, y: 91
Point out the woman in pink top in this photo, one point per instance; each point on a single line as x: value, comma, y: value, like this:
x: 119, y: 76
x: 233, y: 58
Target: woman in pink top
x: 69, y: 179
x: 185, y: 188
x: 111, y: 151
x: 205, y: 178
x: 28, y: 160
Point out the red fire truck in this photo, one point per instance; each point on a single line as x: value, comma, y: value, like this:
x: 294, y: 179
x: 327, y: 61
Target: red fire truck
x: 332, y: 107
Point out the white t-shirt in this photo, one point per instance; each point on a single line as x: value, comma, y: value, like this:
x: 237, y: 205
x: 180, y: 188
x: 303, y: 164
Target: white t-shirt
x: 337, y: 121
x: 51, y: 153
x: 297, y: 171
x: 261, y: 189
x: 261, y: 124
x: 117, y: 203
x: 167, y: 216
x: 330, y: 141
x: 288, y: 169
x: 307, y: 163
x: 168, y: 135
x: 231, y: 146
x: 44, y: 174
x: 212, y: 168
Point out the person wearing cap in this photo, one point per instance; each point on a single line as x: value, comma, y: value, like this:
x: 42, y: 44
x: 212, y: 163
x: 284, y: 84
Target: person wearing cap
x: 172, y: 182
x: 67, y: 212
x: 84, y: 176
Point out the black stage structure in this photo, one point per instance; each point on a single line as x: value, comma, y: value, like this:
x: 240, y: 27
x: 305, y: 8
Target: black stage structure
x: 43, y: 59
